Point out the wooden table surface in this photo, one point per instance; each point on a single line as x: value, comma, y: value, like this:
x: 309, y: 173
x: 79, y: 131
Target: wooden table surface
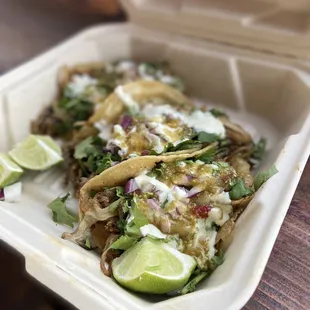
x: 28, y: 27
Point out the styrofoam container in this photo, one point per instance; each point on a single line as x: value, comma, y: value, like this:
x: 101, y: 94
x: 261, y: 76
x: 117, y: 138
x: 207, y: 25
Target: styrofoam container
x: 268, y: 94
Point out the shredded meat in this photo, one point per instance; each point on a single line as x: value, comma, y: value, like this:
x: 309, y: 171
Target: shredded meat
x: 74, y: 173
x: 108, y: 255
x: 47, y: 123
x: 102, y: 230
x: 106, y: 197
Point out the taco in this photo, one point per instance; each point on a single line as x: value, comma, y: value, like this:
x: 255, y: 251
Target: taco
x: 189, y: 201
x: 148, y: 118
x: 85, y: 86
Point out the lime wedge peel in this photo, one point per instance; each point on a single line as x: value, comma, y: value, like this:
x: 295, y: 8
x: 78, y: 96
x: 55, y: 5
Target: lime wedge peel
x: 153, y: 266
x: 36, y: 153
x: 10, y: 172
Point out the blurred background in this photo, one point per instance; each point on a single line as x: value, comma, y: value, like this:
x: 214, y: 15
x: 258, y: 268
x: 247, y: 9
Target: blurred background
x: 28, y: 27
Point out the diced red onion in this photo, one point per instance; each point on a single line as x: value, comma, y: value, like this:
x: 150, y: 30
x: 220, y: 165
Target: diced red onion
x: 145, y: 152
x: 153, y: 204
x: 194, y: 191
x: 126, y: 121
x: 1, y: 194
x: 131, y: 186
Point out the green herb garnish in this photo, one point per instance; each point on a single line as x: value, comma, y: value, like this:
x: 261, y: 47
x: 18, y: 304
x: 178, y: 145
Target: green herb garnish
x: 259, y: 149
x: 207, y: 157
x: 60, y: 213
x: 262, y: 177
x: 239, y: 190
x: 88, y: 243
x: 91, y: 156
x: 205, y: 137
x: 191, y: 285
x: 217, y: 113
x: 123, y: 243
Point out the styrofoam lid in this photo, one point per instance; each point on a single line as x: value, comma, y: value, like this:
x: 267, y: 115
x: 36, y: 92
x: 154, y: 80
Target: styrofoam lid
x: 277, y: 26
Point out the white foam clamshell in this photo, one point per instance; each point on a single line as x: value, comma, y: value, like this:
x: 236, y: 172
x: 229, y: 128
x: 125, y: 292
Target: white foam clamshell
x: 267, y: 94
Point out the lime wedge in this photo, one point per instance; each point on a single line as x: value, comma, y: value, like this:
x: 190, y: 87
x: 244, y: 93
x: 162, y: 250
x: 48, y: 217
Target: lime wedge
x: 36, y: 153
x: 153, y: 266
x: 9, y: 171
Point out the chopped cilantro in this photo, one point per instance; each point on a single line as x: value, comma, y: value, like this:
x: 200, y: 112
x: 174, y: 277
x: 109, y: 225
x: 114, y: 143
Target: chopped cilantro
x: 239, y: 190
x: 121, y: 224
x: 84, y: 148
x: 120, y: 192
x: 208, y: 156
x: 139, y: 219
x: 114, y: 205
x: 262, y: 177
x: 199, y: 275
x: 88, y: 243
x: 157, y: 171
x: 259, y: 149
x: 217, y: 113
x: 214, y: 226
x: 123, y: 243
x: 132, y: 229
x: 205, y: 137
x: 91, y: 156
x: 217, y: 260
x: 60, y: 213
x: 164, y: 203
x: 185, y: 145
x: 77, y: 109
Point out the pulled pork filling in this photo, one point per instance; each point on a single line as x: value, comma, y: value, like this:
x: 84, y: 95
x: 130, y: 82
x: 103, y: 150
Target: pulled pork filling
x: 191, y: 202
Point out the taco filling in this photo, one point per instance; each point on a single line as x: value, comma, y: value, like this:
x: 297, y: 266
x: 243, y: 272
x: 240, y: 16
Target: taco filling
x: 189, y: 203
x: 160, y: 182
x: 148, y: 118
x: 155, y: 129
x: 83, y: 87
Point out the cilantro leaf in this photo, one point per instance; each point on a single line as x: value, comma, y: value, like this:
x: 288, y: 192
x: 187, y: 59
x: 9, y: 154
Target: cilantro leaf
x: 208, y: 156
x: 239, y: 190
x: 259, y: 149
x: 77, y: 109
x: 104, y: 162
x: 205, y: 137
x: 132, y: 229
x: 199, y: 275
x: 121, y: 225
x: 123, y: 243
x: 84, y: 148
x: 120, y: 192
x: 92, y: 158
x: 60, y: 213
x: 139, y: 219
x: 113, y: 206
x: 164, y: 203
x: 262, y: 177
x: 88, y: 243
x: 191, y: 285
x: 217, y: 113
x: 185, y: 145
x: 157, y: 171
x: 217, y: 260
